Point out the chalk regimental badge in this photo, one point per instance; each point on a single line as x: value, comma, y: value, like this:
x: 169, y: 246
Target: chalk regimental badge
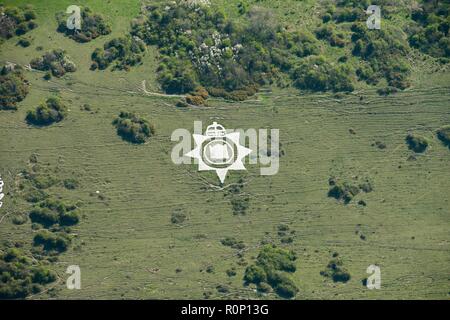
x: 216, y: 150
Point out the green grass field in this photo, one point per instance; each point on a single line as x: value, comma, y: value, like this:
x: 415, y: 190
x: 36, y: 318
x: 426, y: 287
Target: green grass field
x: 125, y: 243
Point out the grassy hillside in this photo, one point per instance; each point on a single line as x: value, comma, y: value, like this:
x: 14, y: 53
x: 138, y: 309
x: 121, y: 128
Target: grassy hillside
x: 125, y: 242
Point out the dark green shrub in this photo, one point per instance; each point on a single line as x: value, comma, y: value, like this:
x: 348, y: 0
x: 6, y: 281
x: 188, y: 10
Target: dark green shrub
x: 317, y: 74
x: 272, y: 258
x: 416, y: 143
x: 282, y: 285
x: 92, y: 26
x: 50, y: 212
x: 19, y: 277
x: 231, y: 272
x: 53, y: 110
x: 340, y: 192
x: 336, y: 271
x: 233, y: 243
x: 35, y: 195
x: 44, y: 216
x: 16, y: 20
x: 178, y: 217
x: 240, y: 204
x: 430, y: 32
x: 24, y: 43
x: 13, y: 87
x: 329, y: 33
x: 125, y: 52
x: 133, y: 128
x: 444, y: 135
x: 50, y: 241
x: 43, y: 275
x: 55, y: 61
x: 270, y: 266
x: 254, y: 274
x: 384, y: 51
x: 70, y: 183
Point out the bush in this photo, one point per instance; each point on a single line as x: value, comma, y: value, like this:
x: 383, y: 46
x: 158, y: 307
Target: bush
x: 283, y: 285
x: 345, y: 191
x: 19, y: 277
x: 44, y: 216
x: 70, y: 183
x: 16, y: 21
x: 13, y: 87
x: 329, y: 33
x: 317, y: 74
x: 430, y: 32
x: 133, y: 128
x: 50, y: 241
x: 387, y: 91
x: 444, y: 135
x: 24, y: 43
x: 336, y: 271
x: 53, y: 110
x: 342, y: 192
x: 270, y: 266
x: 92, y: 26
x: 50, y: 212
x: 126, y: 52
x: 416, y: 143
x: 233, y: 243
x: 178, y: 217
x: 42, y: 275
x: 254, y: 274
x: 384, y: 51
x: 195, y: 100
x: 55, y: 61
x: 240, y: 204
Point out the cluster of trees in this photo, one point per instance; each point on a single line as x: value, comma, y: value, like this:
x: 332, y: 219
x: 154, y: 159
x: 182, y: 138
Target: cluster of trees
x: 200, y: 46
x: 329, y: 33
x: 133, y: 128
x: 53, y: 110
x: 416, y: 142
x: 34, y: 182
x: 318, y: 74
x: 430, y: 32
x: 345, y: 191
x: 92, y: 26
x: 55, y: 61
x: 52, y: 241
x: 16, y: 21
x: 384, y: 51
x: 270, y: 271
x: 20, y: 277
x: 125, y: 52
x: 50, y: 212
x: 335, y: 270
x: 13, y: 87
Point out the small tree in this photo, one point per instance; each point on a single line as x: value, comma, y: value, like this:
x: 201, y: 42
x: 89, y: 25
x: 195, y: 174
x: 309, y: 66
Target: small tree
x: 133, y: 128
x: 53, y: 110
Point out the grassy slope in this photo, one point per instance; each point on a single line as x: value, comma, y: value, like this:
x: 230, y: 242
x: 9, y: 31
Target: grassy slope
x: 129, y: 234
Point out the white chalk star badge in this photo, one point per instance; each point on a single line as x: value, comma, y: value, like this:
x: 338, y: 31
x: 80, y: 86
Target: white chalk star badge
x: 218, y: 151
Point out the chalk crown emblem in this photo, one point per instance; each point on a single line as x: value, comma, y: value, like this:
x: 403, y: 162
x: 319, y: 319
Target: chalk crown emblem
x: 219, y: 151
